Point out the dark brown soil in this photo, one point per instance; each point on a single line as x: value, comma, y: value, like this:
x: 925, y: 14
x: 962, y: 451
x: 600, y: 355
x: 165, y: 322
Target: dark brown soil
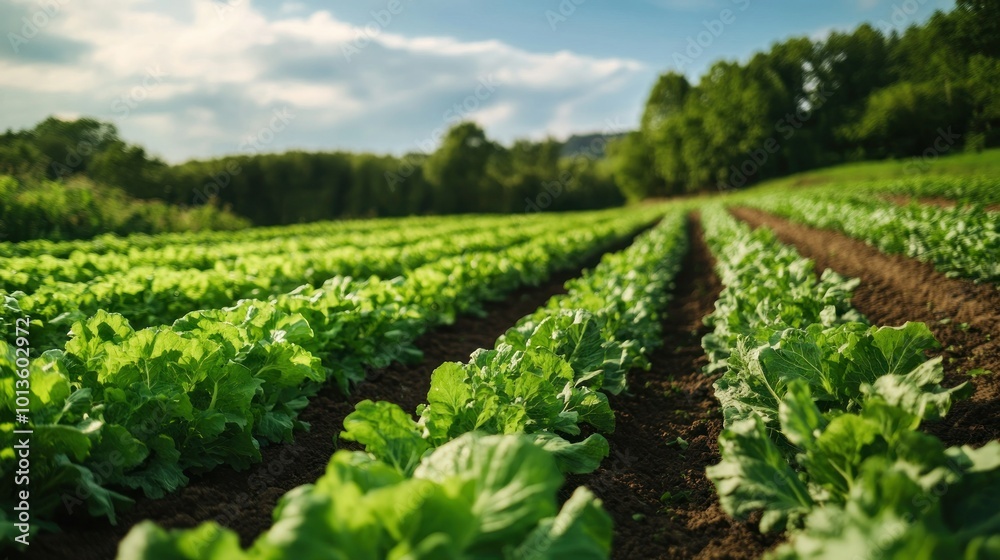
x: 674, y: 399
x: 965, y: 317
x: 939, y: 201
x: 243, y: 501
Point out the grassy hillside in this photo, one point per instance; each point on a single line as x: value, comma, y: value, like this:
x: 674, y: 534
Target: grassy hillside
x: 986, y: 162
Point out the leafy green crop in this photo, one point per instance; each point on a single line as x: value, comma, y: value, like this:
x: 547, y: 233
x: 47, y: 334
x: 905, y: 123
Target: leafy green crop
x: 969, y: 190
x: 821, y: 416
x: 551, y: 372
x: 148, y: 292
x: 960, y: 241
x: 158, y: 403
x: 477, y: 497
x: 545, y: 377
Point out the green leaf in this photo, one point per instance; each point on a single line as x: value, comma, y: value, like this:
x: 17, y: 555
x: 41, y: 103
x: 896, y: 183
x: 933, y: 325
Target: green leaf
x: 510, y: 482
x: 801, y: 420
x: 903, y: 347
x: 387, y: 432
x: 573, y: 458
x: 208, y: 541
x: 81, y: 480
x: 447, y: 402
x: 51, y: 439
x: 919, y: 392
x: 578, y: 337
x: 837, y: 454
x: 581, y: 530
x: 88, y: 338
x: 161, y: 473
x: 754, y: 475
x: 423, y: 520
x: 593, y: 408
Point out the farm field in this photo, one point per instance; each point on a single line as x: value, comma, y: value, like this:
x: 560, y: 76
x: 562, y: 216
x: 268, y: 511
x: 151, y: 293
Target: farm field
x: 790, y: 373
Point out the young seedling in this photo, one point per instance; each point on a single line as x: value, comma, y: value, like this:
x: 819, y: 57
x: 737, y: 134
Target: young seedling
x: 670, y: 498
x: 680, y: 442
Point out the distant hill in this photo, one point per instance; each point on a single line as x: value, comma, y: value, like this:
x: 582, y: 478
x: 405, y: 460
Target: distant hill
x: 588, y: 144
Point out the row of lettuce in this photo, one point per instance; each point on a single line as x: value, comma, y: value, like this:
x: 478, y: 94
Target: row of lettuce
x: 119, y: 408
x: 961, y: 240
x: 968, y: 190
x: 151, y: 295
x: 111, y: 243
x: 821, y: 415
x: 476, y: 475
x: 26, y: 273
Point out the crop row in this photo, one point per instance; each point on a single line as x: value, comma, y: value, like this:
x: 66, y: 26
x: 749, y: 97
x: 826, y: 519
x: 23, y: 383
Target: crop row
x: 476, y: 476
x: 111, y: 243
x: 140, y: 409
x: 28, y: 273
x: 821, y: 414
x: 959, y: 241
x: 150, y: 296
x: 965, y: 190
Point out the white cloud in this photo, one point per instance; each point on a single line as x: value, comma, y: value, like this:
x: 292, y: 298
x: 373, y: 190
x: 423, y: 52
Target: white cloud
x: 189, y: 78
x: 494, y: 115
x: 823, y: 33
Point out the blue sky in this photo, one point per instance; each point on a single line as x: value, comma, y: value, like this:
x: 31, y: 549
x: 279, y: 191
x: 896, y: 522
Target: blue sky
x: 199, y: 78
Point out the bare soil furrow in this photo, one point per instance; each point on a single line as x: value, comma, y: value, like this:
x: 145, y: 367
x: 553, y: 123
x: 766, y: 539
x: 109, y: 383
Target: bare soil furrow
x: 675, y: 399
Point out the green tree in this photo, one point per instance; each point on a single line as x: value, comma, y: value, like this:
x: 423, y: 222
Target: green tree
x: 663, y: 128
x: 457, y: 169
x: 69, y: 146
x: 634, y: 167
x: 984, y: 88
x: 977, y: 28
x: 129, y: 168
x: 905, y: 118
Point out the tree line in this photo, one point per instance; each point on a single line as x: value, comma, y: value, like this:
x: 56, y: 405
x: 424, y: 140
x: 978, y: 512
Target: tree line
x: 468, y: 172
x: 871, y: 93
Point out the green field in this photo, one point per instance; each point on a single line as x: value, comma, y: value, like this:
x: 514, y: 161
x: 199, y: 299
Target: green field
x: 145, y: 364
x: 985, y: 163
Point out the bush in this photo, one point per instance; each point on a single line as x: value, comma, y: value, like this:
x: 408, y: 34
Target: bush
x: 80, y: 209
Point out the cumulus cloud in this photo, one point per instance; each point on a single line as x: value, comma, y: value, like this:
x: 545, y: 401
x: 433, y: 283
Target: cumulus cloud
x: 192, y: 78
